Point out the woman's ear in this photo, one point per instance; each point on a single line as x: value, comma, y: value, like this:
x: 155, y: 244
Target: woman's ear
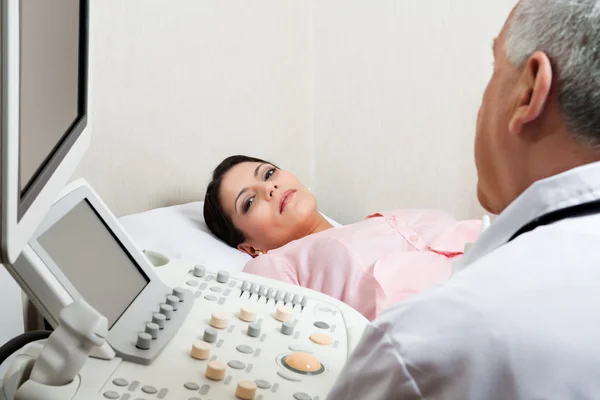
x: 248, y: 249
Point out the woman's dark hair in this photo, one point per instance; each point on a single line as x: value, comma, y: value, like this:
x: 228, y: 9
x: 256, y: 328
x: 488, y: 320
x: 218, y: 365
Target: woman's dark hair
x: 217, y: 221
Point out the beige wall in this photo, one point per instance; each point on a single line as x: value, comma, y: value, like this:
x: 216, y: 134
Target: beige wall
x: 398, y: 85
x: 372, y: 103
x: 180, y: 85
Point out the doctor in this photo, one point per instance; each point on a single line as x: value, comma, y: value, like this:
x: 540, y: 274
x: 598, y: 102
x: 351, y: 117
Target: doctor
x: 521, y: 320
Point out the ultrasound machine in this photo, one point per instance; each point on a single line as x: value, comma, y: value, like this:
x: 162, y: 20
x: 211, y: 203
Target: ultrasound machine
x: 122, y: 327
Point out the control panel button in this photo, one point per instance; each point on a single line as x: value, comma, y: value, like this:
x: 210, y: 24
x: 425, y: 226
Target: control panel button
x: 248, y: 314
x: 173, y: 301
x: 283, y: 314
x: 254, y: 288
x: 303, y: 363
x: 279, y: 295
x: 159, y: 319
x: 236, y: 364
x: 242, y: 348
x: 111, y: 395
x: 287, y: 328
x: 321, y: 325
x: 191, y: 386
x: 321, y: 338
x: 254, y: 330
x: 263, y: 291
x: 210, y: 335
x: 215, y: 370
x: 262, y: 384
x: 302, y: 396
x: 245, y: 286
x: 219, y: 320
x: 179, y: 293
x: 166, y: 310
x: 222, y: 276
x: 288, y: 297
x: 199, y: 271
x: 152, y: 329
x: 296, y: 299
x: 144, y: 341
x: 304, y: 301
x: 246, y: 390
x: 201, y: 350
x: 271, y: 294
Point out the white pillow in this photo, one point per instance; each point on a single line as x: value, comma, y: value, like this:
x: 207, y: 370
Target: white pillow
x: 180, y: 232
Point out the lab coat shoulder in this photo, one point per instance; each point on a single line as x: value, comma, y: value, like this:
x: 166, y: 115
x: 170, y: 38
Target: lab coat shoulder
x: 428, y: 347
x: 376, y: 370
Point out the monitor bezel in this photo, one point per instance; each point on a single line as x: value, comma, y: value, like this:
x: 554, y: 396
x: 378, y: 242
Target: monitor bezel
x: 17, y: 225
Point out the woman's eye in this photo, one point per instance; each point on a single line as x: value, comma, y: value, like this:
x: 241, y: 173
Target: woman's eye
x: 247, y: 204
x: 269, y: 173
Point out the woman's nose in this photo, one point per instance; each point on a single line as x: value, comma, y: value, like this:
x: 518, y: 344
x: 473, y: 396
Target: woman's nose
x: 270, y: 190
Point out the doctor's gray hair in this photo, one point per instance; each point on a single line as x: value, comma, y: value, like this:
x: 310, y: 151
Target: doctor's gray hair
x: 568, y: 32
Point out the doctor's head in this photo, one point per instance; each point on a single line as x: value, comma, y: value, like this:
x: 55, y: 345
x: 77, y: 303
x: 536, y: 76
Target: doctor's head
x: 253, y: 205
x: 540, y: 114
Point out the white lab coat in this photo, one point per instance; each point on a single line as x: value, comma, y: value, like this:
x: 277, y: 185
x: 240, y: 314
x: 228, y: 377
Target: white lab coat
x: 521, y: 320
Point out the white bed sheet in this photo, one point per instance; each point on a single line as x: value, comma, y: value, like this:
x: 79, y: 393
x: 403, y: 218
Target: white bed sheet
x: 180, y: 232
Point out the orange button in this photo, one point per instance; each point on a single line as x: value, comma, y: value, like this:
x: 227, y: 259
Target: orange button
x: 302, y: 362
x: 321, y: 338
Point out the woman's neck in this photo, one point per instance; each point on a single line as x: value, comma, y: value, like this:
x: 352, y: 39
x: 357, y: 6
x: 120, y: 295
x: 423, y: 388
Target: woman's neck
x: 321, y: 225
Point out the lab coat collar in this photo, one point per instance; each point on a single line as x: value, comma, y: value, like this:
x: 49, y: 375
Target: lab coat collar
x: 576, y: 186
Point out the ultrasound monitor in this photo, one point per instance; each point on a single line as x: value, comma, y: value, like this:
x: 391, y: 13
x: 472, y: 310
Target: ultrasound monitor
x: 43, y: 110
x: 94, y: 262
x: 80, y: 251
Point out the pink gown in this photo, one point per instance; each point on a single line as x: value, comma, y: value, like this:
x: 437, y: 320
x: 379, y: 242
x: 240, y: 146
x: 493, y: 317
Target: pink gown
x: 374, y: 263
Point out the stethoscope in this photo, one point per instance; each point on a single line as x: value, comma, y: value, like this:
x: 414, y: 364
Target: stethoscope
x: 579, y: 210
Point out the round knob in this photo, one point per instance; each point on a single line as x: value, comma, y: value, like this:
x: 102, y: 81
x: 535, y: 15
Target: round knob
x: 159, y: 320
x: 201, y: 350
x: 215, y: 370
x: 248, y: 314
x: 287, y: 328
x: 166, y: 310
x: 173, y: 301
x: 199, y: 271
x: 219, y: 320
x: 254, y: 330
x: 152, y: 329
x: 222, y: 276
x: 246, y: 390
x: 180, y: 293
x: 303, y: 363
x: 144, y: 340
x: 210, y: 335
x: 283, y: 314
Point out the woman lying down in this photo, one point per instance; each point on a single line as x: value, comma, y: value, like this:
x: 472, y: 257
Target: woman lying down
x: 266, y: 212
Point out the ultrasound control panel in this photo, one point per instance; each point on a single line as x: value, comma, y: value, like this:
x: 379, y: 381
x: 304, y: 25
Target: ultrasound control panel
x: 244, y: 338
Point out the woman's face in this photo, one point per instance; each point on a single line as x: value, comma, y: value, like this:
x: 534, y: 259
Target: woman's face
x: 269, y: 205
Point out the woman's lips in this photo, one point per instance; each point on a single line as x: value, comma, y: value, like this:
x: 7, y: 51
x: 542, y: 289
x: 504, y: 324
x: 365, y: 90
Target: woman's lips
x: 285, y: 199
